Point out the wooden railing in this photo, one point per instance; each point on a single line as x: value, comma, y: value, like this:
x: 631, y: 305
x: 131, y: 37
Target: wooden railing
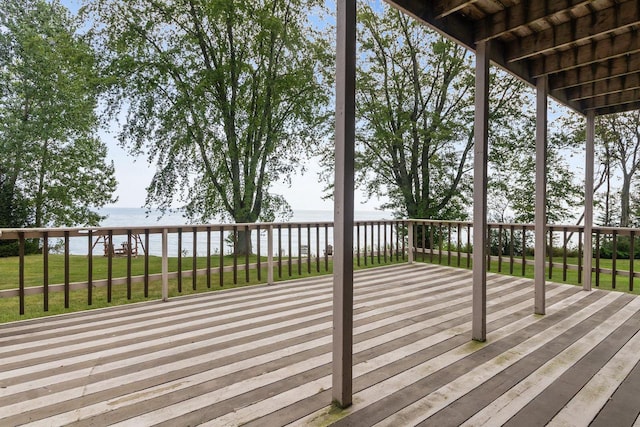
x: 511, y: 250
x: 181, y: 259
x: 136, y: 263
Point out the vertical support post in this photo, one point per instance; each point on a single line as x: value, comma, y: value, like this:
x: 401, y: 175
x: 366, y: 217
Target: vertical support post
x: 146, y: 263
x: 326, y: 245
x: 90, y: 267
x: 165, y: 265
x: 343, y: 204
x: 480, y: 160
x: 235, y: 254
x: 403, y: 242
x: 180, y: 260
x: 258, y: 253
x: 208, y: 257
x: 45, y: 268
x: 67, y: 268
x: 542, y: 89
x: 110, y: 266
x: 129, y: 247
x: 309, y: 248
x: 21, y: 290
x: 270, y: 255
x: 588, y: 201
x: 194, y: 266
x: 247, y: 244
x: 221, y: 259
x: 410, y: 226
x: 318, y: 248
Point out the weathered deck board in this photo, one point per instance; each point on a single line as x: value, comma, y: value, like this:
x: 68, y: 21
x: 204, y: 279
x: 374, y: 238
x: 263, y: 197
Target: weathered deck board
x: 262, y: 356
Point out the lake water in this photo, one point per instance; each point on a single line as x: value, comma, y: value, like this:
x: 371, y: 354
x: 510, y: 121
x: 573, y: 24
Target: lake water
x: 134, y: 217
x: 117, y: 217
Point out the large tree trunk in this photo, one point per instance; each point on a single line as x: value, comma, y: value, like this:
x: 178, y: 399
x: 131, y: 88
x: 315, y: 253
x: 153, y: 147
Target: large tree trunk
x: 243, y: 242
x: 625, y: 200
x: 242, y: 237
x: 39, y: 202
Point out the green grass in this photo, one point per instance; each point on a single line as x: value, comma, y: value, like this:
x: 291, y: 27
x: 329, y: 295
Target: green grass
x: 78, y: 299
x: 605, y: 281
x: 78, y: 267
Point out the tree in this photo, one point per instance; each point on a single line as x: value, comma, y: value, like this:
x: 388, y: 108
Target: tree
x: 607, y: 218
x: 634, y: 215
x: 414, y: 98
x: 512, y: 155
x: 415, y: 133
x: 619, y: 136
x: 53, y: 170
x: 415, y: 128
x: 13, y: 208
x: 226, y: 97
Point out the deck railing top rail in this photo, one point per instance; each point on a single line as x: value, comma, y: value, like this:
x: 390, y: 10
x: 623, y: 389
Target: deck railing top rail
x: 31, y: 233
x: 13, y: 233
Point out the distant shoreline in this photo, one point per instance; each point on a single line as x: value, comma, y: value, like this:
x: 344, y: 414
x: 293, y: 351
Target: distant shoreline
x: 126, y: 216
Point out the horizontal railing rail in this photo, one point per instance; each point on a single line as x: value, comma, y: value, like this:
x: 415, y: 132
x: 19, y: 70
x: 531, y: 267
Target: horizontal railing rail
x: 181, y: 257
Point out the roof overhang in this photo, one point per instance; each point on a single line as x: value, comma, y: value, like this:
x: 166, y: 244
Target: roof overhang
x: 589, y: 50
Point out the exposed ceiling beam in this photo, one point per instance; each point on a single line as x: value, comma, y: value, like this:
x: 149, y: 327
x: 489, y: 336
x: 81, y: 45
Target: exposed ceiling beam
x: 589, y: 74
x: 584, y: 73
x: 604, y: 87
x: 620, y: 98
x: 453, y: 27
x: 618, y: 108
x: 601, y: 50
x: 450, y: 26
x: 456, y: 28
x: 520, y: 14
x: 616, y: 67
x: 603, y: 21
x: 444, y: 8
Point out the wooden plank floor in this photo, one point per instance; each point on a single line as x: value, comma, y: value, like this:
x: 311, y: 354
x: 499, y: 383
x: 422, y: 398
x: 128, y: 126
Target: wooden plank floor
x: 261, y: 356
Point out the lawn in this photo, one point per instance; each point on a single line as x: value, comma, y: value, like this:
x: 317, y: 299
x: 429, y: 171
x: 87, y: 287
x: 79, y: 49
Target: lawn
x: 78, y: 267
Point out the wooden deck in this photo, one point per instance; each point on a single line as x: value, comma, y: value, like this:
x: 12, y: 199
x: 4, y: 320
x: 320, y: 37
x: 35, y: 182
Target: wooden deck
x: 261, y: 356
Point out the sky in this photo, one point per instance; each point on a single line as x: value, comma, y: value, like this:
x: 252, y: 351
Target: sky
x: 134, y: 174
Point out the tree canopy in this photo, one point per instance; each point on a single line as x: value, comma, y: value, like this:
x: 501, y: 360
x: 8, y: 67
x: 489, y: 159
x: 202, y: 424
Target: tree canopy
x: 618, y: 137
x: 512, y: 162
x: 414, y: 101
x: 225, y: 97
x: 415, y: 126
x: 53, y: 168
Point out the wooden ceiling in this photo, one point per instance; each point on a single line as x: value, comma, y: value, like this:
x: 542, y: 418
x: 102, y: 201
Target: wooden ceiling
x: 590, y: 50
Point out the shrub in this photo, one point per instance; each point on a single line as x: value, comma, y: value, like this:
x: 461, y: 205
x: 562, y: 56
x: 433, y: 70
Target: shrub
x: 10, y: 248
x: 623, y: 248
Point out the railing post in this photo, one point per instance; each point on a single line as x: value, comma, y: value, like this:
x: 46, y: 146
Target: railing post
x: 165, y: 265
x: 410, y: 242
x: 270, y: 255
